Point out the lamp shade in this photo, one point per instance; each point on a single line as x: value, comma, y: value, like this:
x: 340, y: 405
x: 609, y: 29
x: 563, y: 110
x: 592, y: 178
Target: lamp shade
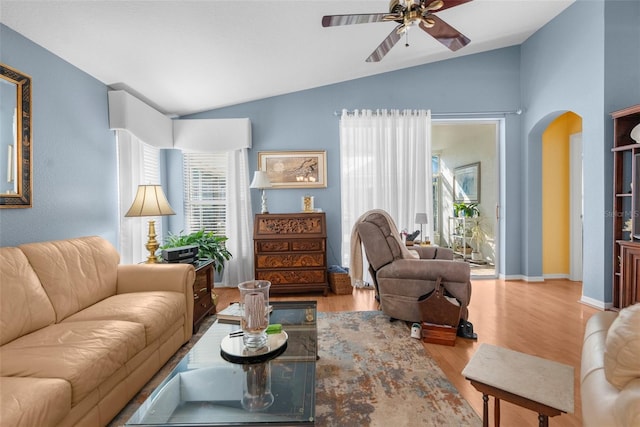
x: 150, y: 201
x: 421, y: 218
x: 260, y: 180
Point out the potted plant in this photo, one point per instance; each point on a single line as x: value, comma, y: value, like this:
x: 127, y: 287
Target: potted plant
x: 459, y: 209
x: 477, y: 236
x: 209, y: 245
x: 466, y: 209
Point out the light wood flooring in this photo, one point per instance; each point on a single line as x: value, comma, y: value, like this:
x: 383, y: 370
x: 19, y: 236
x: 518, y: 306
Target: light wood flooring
x: 543, y: 319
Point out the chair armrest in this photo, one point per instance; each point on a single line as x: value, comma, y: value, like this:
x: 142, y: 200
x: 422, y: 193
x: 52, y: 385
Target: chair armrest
x: 433, y: 252
x: 427, y: 269
x: 156, y: 277
x: 455, y: 275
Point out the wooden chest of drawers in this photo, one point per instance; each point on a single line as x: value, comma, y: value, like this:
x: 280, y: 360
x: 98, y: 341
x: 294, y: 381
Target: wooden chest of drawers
x: 290, y: 252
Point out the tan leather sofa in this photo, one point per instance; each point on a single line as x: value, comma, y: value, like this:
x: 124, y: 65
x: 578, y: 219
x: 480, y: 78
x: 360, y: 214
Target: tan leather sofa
x: 610, y: 369
x: 81, y: 334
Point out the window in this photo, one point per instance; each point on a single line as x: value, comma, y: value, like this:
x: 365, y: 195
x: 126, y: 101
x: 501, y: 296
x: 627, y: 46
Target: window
x: 138, y: 163
x: 205, y: 191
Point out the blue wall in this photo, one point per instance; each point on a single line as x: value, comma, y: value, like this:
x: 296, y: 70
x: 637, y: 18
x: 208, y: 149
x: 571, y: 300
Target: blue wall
x: 74, y: 152
x: 586, y: 61
x: 305, y: 120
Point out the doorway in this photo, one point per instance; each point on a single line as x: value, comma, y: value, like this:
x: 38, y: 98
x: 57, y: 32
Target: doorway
x: 562, y: 195
x: 458, y: 145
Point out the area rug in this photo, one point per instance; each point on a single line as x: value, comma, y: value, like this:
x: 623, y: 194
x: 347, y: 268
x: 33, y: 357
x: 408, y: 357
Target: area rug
x: 371, y: 373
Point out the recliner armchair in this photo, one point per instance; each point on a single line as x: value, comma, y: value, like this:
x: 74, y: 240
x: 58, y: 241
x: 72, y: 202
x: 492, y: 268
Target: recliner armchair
x: 401, y: 276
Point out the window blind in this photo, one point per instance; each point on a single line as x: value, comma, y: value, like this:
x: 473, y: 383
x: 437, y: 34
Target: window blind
x: 205, y: 191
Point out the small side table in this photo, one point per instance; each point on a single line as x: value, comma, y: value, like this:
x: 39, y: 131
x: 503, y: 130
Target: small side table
x: 202, y: 289
x: 540, y: 385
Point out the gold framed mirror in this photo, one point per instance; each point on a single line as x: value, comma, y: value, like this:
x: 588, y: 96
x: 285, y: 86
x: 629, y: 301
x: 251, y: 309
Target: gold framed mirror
x: 15, y: 138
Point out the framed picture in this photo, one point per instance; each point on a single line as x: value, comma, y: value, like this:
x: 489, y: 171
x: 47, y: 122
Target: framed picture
x: 294, y: 169
x: 466, y: 183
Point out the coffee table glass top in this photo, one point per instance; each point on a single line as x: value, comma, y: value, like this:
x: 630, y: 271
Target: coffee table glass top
x: 205, y: 389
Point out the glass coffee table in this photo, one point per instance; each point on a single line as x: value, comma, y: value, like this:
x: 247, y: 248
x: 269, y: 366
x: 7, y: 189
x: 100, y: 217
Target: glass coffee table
x: 205, y: 389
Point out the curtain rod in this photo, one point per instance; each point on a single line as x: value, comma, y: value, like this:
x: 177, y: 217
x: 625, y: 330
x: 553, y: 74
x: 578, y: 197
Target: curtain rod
x: 474, y: 113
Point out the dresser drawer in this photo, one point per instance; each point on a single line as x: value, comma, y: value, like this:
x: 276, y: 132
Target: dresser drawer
x: 304, y: 260
x: 200, y: 285
x: 293, y: 245
x: 201, y: 304
x: 307, y: 245
x: 293, y: 276
x: 272, y: 246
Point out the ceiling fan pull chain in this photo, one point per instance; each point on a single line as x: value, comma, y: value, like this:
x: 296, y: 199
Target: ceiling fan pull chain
x: 406, y: 38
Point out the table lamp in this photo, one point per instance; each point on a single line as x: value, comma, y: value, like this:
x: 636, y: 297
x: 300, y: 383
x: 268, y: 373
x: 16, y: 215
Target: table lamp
x: 261, y: 181
x: 150, y: 201
x: 421, y: 218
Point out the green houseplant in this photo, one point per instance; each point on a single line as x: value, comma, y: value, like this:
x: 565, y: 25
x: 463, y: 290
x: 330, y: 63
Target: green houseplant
x: 466, y: 209
x: 209, y: 245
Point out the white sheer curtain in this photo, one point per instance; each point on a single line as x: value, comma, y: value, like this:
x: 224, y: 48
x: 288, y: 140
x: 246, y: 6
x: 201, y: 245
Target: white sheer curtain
x: 138, y: 163
x: 385, y: 163
x: 239, y: 220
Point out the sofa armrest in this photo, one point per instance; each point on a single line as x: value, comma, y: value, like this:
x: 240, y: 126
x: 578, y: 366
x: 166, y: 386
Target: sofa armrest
x: 160, y: 277
x: 433, y: 252
x: 156, y: 277
x: 627, y: 405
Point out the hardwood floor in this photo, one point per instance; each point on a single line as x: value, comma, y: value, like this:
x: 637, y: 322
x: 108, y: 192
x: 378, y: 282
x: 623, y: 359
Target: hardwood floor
x: 543, y: 319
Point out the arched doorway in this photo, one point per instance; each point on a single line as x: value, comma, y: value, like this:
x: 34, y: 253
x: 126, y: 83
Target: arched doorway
x: 560, y: 181
x: 554, y: 202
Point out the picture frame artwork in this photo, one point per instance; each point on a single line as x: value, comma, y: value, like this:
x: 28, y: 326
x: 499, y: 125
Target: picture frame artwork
x: 466, y: 183
x: 294, y: 169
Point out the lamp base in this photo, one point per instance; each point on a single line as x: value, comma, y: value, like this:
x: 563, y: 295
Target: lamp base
x: 264, y: 209
x: 152, y: 244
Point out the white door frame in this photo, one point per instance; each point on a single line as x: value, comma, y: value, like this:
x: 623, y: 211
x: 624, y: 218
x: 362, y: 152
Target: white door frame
x: 575, y: 206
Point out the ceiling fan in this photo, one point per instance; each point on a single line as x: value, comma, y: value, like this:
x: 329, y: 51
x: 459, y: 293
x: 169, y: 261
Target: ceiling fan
x: 407, y: 13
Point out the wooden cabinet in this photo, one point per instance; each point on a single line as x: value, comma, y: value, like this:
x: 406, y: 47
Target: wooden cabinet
x: 202, y: 289
x: 626, y: 207
x: 290, y: 252
x: 629, y: 292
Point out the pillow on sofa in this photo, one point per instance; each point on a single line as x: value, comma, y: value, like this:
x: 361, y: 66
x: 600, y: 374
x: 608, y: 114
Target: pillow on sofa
x: 622, y: 348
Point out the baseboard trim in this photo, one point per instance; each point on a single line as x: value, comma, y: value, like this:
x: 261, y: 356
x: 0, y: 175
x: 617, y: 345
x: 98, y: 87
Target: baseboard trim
x: 595, y: 303
x: 521, y: 277
x: 556, y: 276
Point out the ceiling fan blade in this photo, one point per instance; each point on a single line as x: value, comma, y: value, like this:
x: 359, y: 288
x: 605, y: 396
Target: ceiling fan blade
x: 448, y: 4
x: 445, y: 33
x: 386, y: 45
x: 335, y: 20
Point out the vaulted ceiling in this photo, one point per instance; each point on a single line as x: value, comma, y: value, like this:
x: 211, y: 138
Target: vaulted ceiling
x: 189, y: 56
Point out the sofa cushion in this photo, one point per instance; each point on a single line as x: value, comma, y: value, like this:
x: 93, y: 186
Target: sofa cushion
x: 155, y: 310
x: 83, y: 353
x: 28, y: 402
x: 24, y: 305
x: 621, y: 361
x: 75, y: 273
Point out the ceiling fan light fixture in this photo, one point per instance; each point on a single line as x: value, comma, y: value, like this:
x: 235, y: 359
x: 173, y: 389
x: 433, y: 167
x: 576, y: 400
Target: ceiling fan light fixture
x: 435, y: 5
x: 428, y: 22
x: 407, y: 13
